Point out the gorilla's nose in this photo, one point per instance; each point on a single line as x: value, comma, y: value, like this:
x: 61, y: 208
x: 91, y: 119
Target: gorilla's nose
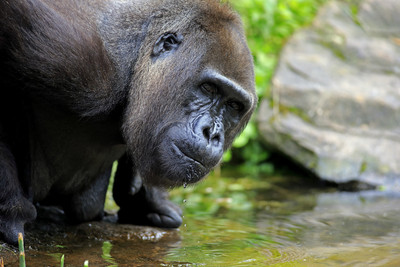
x: 210, y: 141
x: 213, y: 134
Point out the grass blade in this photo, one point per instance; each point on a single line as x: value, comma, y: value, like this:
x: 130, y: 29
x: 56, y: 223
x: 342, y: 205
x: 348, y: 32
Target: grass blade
x: 21, y: 250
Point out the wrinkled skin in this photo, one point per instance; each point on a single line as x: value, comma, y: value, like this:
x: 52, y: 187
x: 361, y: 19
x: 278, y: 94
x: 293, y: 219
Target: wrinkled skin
x: 161, y: 86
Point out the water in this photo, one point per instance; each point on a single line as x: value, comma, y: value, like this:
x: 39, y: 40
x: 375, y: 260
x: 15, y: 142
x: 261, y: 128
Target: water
x: 281, y: 221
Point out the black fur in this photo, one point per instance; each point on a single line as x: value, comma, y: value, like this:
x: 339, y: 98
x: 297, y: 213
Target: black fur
x: 162, y: 85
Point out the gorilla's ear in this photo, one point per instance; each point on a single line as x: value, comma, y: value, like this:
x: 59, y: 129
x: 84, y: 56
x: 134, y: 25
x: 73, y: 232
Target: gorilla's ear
x: 166, y: 43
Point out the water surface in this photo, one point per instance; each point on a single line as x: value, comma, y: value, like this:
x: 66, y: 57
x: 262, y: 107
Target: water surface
x: 281, y: 221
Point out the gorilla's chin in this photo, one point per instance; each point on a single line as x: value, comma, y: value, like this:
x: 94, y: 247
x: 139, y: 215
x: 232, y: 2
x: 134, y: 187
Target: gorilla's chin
x: 172, y: 167
x: 171, y: 175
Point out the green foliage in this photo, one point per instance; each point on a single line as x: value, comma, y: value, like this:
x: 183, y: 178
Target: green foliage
x: 268, y: 25
x: 110, y: 204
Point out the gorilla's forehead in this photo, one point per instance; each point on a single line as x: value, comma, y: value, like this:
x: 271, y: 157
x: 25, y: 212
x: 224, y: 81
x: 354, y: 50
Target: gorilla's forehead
x: 230, y: 54
x: 213, y: 38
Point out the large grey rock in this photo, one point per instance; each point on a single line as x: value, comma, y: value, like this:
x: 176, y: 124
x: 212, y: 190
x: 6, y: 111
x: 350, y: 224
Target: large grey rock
x: 336, y: 95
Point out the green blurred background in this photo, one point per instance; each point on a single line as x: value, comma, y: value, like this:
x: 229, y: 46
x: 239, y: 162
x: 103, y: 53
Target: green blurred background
x: 268, y: 25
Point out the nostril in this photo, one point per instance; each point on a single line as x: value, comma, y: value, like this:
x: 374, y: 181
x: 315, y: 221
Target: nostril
x: 206, y: 133
x: 215, y: 139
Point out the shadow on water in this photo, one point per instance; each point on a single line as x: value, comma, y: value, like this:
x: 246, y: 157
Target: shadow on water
x: 282, y: 221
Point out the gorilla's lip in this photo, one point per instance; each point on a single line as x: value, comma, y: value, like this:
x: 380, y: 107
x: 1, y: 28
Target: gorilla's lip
x: 179, y: 151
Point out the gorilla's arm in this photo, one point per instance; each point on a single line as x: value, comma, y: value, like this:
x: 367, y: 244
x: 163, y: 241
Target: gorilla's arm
x: 141, y: 204
x: 15, y: 208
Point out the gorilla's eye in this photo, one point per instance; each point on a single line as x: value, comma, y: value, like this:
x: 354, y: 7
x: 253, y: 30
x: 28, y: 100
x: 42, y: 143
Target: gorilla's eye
x: 170, y: 42
x: 209, y: 89
x: 235, y: 105
x: 166, y: 43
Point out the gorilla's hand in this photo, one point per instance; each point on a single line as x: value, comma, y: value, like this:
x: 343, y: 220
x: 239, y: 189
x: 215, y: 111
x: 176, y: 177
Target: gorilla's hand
x: 150, y: 206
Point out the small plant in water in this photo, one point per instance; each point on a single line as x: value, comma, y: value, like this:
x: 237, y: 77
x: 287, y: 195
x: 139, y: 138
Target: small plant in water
x: 22, y: 254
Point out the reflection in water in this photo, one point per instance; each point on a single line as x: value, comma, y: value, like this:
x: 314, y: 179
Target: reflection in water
x: 300, y: 227
x: 357, y: 228
x: 107, y: 246
x: 101, y: 243
x: 247, y: 224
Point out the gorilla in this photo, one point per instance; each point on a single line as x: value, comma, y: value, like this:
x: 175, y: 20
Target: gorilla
x: 162, y: 86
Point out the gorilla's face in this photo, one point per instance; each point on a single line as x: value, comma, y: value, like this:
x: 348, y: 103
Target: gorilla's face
x: 199, y: 94
x: 214, y: 110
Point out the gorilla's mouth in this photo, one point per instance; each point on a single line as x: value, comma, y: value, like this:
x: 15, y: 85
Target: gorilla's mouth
x: 185, y: 155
